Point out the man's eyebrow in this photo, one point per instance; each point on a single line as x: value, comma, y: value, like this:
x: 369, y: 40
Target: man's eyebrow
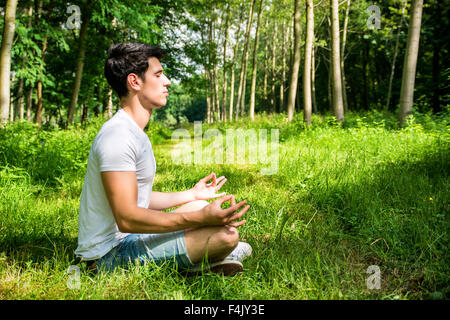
x: 159, y: 71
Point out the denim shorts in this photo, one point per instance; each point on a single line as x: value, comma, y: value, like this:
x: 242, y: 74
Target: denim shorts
x: 139, y: 248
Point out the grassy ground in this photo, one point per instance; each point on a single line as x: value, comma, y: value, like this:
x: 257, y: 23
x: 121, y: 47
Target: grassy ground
x: 342, y: 199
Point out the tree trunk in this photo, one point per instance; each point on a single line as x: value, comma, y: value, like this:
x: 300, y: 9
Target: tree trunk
x: 233, y: 66
x: 437, y: 47
x: 224, y: 87
x: 295, y: 63
x: 29, y: 103
x: 410, y: 62
x: 79, y: 72
x: 273, y: 100
x: 394, y: 59
x: 344, y: 41
x: 255, y: 64
x: 266, y: 69
x: 109, y: 106
x: 18, y: 107
x: 313, y: 79
x: 307, y: 100
x: 40, y: 102
x: 283, y: 65
x: 11, y: 104
x: 5, y: 59
x: 241, y: 90
x: 338, y: 104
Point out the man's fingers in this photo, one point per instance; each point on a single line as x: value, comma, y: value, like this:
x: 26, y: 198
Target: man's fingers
x: 229, y: 211
x: 207, y: 178
x: 222, y: 182
x: 239, y: 215
x: 237, y: 224
x: 224, y: 199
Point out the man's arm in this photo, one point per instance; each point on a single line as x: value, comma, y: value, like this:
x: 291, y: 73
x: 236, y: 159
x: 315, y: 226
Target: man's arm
x: 166, y: 200
x: 201, y: 191
x: 122, y: 193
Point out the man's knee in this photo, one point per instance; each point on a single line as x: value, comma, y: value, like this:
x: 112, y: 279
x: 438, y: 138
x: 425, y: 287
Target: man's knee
x: 229, y: 237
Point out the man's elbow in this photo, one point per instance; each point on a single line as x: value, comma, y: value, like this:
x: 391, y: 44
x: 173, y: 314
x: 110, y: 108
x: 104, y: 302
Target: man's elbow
x: 124, y: 227
x: 123, y: 224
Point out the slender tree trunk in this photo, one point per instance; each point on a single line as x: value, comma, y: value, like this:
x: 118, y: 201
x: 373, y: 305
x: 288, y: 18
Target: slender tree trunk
x: 295, y: 63
x: 266, y: 69
x: 18, y: 106
x: 39, y: 93
x: 365, y: 50
x: 410, y: 62
x: 242, y: 83
x: 307, y: 99
x: 437, y: 47
x: 338, y: 104
x: 255, y: 63
x: 109, y: 106
x: 283, y: 65
x: 29, y: 103
x: 5, y: 59
x: 313, y: 79
x: 233, y: 66
x: 79, y: 72
x: 344, y: 41
x: 225, y: 67
x: 11, y: 104
x: 273, y: 99
x: 394, y: 59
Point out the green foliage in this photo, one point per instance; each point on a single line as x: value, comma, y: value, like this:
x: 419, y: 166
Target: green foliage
x: 344, y: 198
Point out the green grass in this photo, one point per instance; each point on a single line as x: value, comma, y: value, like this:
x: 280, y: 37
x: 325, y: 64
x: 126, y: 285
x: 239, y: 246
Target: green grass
x: 343, y: 199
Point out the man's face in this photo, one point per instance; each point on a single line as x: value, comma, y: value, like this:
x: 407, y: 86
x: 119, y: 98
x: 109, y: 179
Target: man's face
x: 154, y: 90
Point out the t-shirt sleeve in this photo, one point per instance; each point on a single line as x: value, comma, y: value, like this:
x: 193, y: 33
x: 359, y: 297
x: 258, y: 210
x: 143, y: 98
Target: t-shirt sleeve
x: 116, y: 151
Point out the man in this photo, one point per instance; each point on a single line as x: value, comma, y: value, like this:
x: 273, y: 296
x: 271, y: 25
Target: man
x: 120, y: 219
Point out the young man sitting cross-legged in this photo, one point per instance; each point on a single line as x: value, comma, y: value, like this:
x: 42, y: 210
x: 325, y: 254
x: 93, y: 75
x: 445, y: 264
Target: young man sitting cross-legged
x: 120, y: 218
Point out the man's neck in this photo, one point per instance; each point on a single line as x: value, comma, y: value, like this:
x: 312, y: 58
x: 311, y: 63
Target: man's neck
x: 139, y: 114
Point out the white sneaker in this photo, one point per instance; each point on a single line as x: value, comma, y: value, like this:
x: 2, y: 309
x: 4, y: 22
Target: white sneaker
x: 225, y: 267
x: 241, y: 252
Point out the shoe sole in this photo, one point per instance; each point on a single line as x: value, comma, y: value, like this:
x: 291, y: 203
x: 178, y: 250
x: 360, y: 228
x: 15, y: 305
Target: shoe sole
x: 225, y: 268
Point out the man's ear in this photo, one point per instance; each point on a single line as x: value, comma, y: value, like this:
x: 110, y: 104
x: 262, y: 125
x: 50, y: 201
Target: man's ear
x: 134, y: 82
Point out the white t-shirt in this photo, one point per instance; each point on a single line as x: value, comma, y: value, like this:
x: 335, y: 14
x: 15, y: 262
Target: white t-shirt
x: 120, y: 145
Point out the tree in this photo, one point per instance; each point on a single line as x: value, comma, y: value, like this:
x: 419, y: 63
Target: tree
x: 295, y: 62
x: 5, y: 59
x: 410, y: 62
x: 80, y: 65
x: 307, y: 99
x: 344, y: 42
x: 338, y: 104
x: 241, y: 90
x: 255, y: 66
x: 394, y: 59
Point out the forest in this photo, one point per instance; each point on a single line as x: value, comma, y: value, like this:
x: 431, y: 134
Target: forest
x: 237, y: 58
x: 358, y: 92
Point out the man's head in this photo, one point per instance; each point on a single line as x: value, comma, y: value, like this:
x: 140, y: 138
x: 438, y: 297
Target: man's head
x: 136, y: 68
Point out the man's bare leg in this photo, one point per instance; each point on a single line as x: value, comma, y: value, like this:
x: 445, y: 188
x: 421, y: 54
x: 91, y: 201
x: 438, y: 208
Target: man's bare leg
x: 215, y: 242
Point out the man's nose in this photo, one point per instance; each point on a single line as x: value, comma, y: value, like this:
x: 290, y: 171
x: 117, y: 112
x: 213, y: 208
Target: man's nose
x: 166, y: 81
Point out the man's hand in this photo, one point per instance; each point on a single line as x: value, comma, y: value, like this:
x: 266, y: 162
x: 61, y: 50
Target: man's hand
x: 205, y: 191
x: 215, y: 215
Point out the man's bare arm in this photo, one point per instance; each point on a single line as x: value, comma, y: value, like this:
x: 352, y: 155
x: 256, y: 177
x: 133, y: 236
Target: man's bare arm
x: 166, y: 200
x: 201, y: 191
x: 122, y: 193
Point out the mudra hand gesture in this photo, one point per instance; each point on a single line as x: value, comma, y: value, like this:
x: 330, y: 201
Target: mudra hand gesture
x: 205, y: 191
